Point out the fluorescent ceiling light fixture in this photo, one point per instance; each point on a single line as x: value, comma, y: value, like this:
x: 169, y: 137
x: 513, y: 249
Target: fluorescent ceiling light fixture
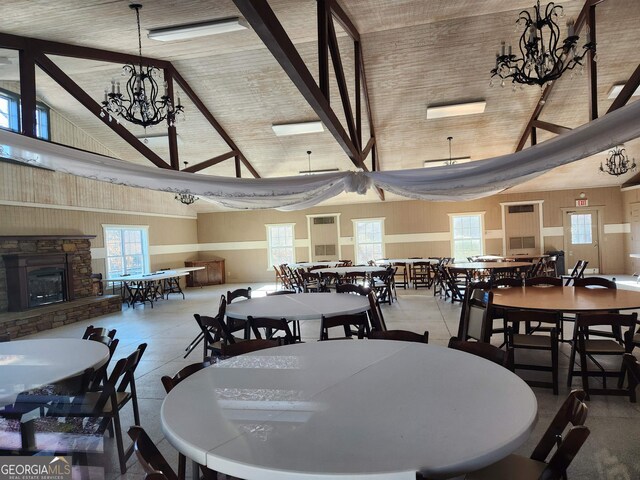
x: 316, y: 172
x: 617, y: 88
x: 454, y: 110
x: 445, y: 161
x: 157, y: 139
x: 299, y: 128
x: 200, y: 29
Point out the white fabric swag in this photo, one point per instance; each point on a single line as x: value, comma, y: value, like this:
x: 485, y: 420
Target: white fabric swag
x: 455, y: 182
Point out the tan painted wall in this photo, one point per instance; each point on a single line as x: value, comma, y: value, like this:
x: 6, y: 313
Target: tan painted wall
x: 39, y: 202
x: 402, y: 218
x: 631, y: 241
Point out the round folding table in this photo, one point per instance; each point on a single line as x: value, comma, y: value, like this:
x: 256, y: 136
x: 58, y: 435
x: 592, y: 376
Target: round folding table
x: 366, y: 409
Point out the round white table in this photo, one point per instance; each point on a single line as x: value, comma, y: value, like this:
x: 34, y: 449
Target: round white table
x: 314, y: 264
x: 349, y: 409
x: 344, y: 270
x: 299, y: 306
x: 409, y: 261
x: 29, y: 364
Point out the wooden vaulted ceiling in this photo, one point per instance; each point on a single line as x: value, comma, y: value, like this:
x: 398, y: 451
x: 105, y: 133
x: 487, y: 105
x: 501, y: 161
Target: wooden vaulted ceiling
x: 416, y: 53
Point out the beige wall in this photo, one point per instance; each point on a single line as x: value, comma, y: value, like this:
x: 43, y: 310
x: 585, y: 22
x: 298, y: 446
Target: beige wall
x: 412, y: 228
x: 631, y: 241
x: 39, y: 202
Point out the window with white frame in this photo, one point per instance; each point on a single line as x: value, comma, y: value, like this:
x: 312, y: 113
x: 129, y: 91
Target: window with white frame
x: 281, y: 244
x: 127, y: 250
x: 467, y: 235
x: 10, y: 114
x: 368, y: 237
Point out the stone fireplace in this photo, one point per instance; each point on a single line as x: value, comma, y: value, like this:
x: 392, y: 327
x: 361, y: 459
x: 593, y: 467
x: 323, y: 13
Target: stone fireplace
x: 36, y: 279
x: 45, y: 282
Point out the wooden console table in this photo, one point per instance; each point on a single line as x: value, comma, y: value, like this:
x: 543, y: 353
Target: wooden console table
x: 212, y: 274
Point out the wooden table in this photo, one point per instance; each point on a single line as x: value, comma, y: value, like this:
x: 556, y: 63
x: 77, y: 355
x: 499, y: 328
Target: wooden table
x: 343, y: 410
x: 314, y: 264
x: 566, y: 299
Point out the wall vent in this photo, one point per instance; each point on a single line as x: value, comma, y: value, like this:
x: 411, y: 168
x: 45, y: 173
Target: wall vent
x: 520, y: 208
x: 323, y: 220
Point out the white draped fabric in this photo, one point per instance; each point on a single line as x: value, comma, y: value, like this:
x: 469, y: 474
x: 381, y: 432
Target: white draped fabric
x: 455, y: 182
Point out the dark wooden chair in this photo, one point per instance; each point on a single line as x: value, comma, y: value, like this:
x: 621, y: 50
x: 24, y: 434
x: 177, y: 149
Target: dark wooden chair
x: 210, y: 331
x: 312, y: 282
x: 551, y: 266
x: 330, y: 280
x: 358, y: 321
x: 105, y: 405
x: 234, y: 324
x: 376, y: 319
x: 99, y: 331
x: 531, y: 340
x: 150, y: 458
x: 456, y: 282
x: 631, y: 368
x: 381, y: 283
x: 357, y: 278
x: 422, y: 275
x: 248, y: 346
x: 169, y: 384
x: 111, y: 343
x: 400, y: 335
x: 476, y: 317
x: 564, y: 447
x: 588, y: 348
x: 272, y: 329
x: 402, y: 275
x: 353, y: 288
x: 595, y: 282
x: 576, y: 272
x: 484, y: 350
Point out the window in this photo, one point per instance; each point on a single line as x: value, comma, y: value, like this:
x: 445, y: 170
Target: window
x: 10, y: 114
x: 42, y: 121
x: 281, y: 244
x: 466, y: 233
x: 9, y: 111
x: 127, y: 250
x: 369, y: 243
x: 581, y: 229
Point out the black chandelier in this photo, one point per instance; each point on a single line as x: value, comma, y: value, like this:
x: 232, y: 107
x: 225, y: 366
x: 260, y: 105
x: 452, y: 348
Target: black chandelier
x: 618, y: 162
x: 543, y: 59
x: 140, y: 104
x: 186, y: 198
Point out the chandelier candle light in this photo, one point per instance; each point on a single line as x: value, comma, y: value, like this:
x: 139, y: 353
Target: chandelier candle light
x: 186, y: 198
x: 542, y: 59
x: 140, y: 104
x: 618, y: 162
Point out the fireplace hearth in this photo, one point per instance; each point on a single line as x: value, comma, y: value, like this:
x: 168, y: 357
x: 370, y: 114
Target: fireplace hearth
x: 36, y: 279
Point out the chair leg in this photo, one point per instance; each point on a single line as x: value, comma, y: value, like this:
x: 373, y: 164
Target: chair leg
x: 119, y: 444
x: 572, y: 360
x: 554, y: 366
x: 584, y: 374
x: 182, y: 466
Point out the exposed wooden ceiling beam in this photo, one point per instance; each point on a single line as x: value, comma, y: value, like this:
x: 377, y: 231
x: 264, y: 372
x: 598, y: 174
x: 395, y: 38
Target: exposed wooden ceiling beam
x: 550, y: 127
x: 345, y: 22
x: 266, y: 25
x: 367, y: 148
x: 211, y: 162
x: 342, y: 83
x: 77, y: 51
x: 210, y: 118
x: 94, y: 107
x: 579, y: 23
x: 627, y: 91
x: 592, y: 66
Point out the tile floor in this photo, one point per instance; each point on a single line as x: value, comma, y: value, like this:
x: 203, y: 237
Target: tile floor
x: 611, y: 452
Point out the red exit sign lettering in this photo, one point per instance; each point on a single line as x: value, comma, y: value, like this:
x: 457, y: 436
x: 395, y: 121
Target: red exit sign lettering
x: 582, y: 202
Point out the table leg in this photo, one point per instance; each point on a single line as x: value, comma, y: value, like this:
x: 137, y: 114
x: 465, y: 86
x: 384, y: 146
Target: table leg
x: 195, y: 470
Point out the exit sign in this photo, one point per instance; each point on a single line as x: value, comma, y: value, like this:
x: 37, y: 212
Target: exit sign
x: 582, y: 202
